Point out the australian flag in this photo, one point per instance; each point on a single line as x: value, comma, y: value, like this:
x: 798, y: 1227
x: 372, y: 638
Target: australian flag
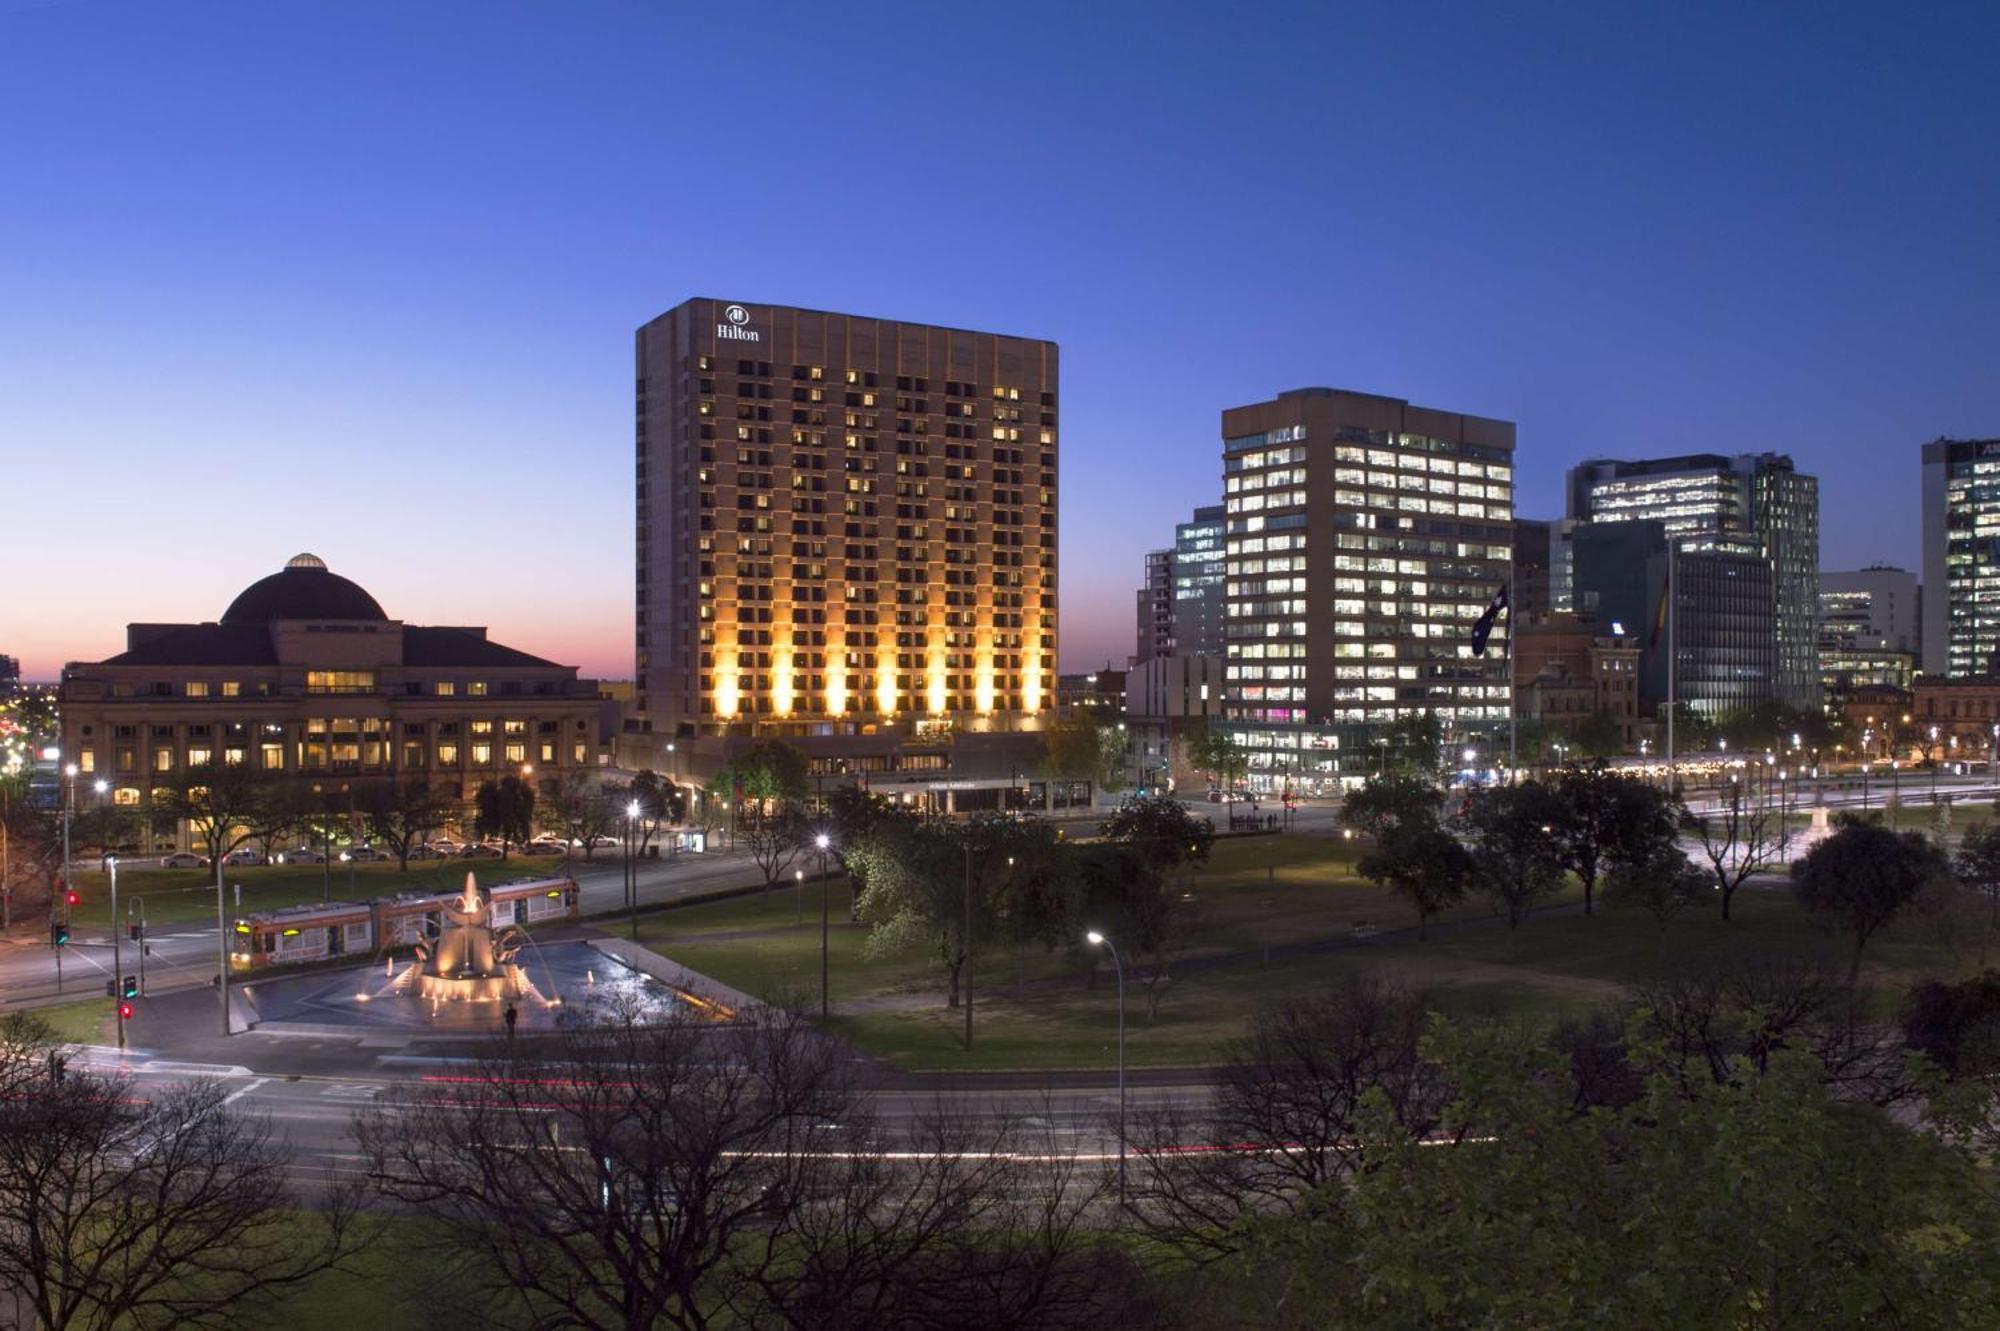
x: 1483, y: 630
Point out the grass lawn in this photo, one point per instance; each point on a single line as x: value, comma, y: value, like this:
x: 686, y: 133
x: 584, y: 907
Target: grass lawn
x: 86, y: 1021
x: 180, y: 896
x: 1255, y: 892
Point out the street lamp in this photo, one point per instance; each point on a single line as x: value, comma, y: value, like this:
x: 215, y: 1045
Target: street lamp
x: 1096, y: 939
x: 117, y: 964
x: 820, y: 843
x: 632, y: 870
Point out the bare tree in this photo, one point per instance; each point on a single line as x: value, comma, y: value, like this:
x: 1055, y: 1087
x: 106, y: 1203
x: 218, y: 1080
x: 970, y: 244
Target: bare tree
x: 1739, y: 841
x: 775, y: 839
x: 162, y: 1210
x: 1288, y: 1115
x: 400, y: 814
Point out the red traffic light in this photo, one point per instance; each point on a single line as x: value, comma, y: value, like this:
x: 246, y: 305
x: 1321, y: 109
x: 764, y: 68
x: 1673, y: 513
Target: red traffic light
x: 73, y: 897
x: 125, y: 1011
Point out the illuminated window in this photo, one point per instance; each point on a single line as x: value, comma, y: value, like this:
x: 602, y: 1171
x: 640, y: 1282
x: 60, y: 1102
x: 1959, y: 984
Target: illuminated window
x: 477, y: 688
x: 482, y: 755
x: 339, y: 681
x: 163, y: 760
x: 447, y: 755
x: 444, y: 688
x: 195, y: 688
x: 200, y: 757
x: 517, y: 753
x: 125, y: 796
x: 273, y: 757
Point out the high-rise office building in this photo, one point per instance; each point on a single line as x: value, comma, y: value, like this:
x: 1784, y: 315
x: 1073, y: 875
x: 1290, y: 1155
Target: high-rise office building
x: 846, y: 530
x: 1870, y: 628
x: 1726, y: 505
x: 1961, y: 610
x: 1533, y: 596
x: 1365, y: 536
x: 1155, y: 608
x: 1198, y: 583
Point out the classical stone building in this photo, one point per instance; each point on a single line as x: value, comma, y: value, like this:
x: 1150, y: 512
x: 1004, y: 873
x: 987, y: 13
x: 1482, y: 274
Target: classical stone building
x: 306, y: 676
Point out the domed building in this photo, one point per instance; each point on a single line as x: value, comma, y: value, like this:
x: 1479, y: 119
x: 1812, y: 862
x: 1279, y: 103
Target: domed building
x: 306, y: 677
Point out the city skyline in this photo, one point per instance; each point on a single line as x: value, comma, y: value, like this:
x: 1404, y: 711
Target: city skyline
x: 360, y: 281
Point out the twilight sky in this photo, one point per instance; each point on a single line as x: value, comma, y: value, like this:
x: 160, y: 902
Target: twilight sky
x: 361, y: 279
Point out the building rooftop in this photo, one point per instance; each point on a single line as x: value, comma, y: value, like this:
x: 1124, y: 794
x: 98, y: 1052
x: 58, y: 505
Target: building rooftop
x: 303, y: 589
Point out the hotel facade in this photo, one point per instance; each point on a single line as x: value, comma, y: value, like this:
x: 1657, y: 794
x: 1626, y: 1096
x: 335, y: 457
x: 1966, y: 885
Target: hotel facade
x: 846, y: 538
x: 1364, y: 536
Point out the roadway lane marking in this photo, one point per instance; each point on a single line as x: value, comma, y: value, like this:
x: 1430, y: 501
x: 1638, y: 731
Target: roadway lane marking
x: 242, y: 1091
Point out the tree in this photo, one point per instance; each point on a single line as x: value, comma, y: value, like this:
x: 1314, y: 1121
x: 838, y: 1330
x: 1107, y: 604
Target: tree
x: 1956, y: 1026
x: 1739, y: 841
x: 1783, y: 1207
x: 401, y: 813
x: 774, y: 838
x: 1600, y: 735
x: 226, y: 805
x: 661, y: 803
x: 1514, y: 857
x: 1160, y: 829
x: 155, y: 1209
x: 578, y: 807
x: 1977, y: 869
x: 1597, y: 815
x: 1662, y: 882
x: 1077, y: 749
x: 1415, y: 743
x: 1423, y: 862
x: 767, y: 774
x: 1383, y: 802
x: 1860, y: 878
x: 1214, y: 751
x: 689, y: 1175
x: 504, y: 809
x: 1293, y: 1095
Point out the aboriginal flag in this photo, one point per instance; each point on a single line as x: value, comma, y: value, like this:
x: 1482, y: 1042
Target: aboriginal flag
x: 1483, y: 630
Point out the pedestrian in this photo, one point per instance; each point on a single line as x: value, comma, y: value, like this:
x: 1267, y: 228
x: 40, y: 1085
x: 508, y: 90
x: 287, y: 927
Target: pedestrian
x: 510, y: 1016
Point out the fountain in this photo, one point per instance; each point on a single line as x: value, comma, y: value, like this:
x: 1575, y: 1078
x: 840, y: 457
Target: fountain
x: 469, y: 960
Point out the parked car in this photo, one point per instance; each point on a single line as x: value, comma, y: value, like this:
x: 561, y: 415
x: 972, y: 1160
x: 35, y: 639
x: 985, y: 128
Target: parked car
x: 546, y: 845
x: 479, y: 850
x: 428, y: 852
x: 601, y: 843
x: 243, y: 856
x: 367, y: 854
x: 184, y: 859
x: 301, y: 855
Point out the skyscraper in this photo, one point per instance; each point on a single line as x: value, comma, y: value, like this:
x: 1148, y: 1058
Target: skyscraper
x: 1365, y: 536
x: 1961, y: 610
x: 846, y: 528
x: 1154, y: 607
x: 1869, y: 627
x: 1198, y: 583
x: 1728, y: 505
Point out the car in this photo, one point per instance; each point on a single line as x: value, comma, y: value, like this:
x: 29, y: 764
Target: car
x: 301, y: 855
x: 479, y: 850
x: 546, y: 845
x: 243, y: 856
x: 427, y: 853
x: 367, y: 854
x: 184, y: 859
x: 600, y: 843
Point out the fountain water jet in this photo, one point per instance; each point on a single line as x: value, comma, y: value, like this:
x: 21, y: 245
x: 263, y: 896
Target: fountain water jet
x: 470, y: 960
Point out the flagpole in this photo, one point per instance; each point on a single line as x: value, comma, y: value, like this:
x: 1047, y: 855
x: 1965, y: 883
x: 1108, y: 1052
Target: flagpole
x: 1673, y: 594
x: 1513, y: 702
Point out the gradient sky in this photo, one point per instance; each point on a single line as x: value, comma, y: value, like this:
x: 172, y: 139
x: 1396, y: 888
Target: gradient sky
x: 361, y: 279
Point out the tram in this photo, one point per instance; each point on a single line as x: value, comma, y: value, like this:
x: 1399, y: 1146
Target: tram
x: 298, y: 935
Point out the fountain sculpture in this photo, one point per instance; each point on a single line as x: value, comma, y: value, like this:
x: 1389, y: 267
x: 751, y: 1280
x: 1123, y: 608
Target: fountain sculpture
x: 469, y: 960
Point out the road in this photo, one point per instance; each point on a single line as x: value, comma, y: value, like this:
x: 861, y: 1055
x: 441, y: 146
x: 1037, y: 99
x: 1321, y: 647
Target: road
x: 184, y: 956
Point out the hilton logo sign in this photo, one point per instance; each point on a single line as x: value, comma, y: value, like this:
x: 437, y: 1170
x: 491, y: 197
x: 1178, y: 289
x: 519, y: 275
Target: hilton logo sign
x: 733, y: 330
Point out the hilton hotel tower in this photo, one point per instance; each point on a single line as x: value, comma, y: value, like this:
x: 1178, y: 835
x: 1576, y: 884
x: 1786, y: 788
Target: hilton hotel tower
x: 846, y: 526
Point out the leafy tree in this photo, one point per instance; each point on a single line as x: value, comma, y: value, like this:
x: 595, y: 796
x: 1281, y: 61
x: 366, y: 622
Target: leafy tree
x: 1214, y: 751
x: 1600, y: 735
x: 775, y: 837
x: 1127, y: 895
x: 1384, y: 802
x: 1514, y: 855
x: 1956, y: 1026
x: 505, y: 809
x: 1530, y: 1214
x: 1597, y: 815
x: 157, y: 1209
x: 401, y: 813
x: 1860, y: 878
x: 1160, y: 829
x: 1694, y: 732
x: 1415, y: 744
x: 768, y: 773
x: 1077, y: 749
x: 1423, y: 862
x: 1739, y: 840
x: 1977, y: 868
x: 1662, y: 882
x: 578, y: 807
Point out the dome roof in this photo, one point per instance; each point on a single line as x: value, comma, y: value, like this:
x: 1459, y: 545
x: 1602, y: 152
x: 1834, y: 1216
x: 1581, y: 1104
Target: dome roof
x: 303, y: 589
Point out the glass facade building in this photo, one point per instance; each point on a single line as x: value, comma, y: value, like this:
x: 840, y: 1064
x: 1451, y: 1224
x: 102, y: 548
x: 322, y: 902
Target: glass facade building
x: 1363, y: 538
x: 1730, y: 507
x: 1198, y: 583
x: 1961, y: 610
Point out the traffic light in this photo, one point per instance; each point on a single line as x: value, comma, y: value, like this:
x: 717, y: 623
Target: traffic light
x: 125, y: 1011
x: 132, y: 932
x: 73, y: 896
x: 131, y: 986
x: 58, y: 933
